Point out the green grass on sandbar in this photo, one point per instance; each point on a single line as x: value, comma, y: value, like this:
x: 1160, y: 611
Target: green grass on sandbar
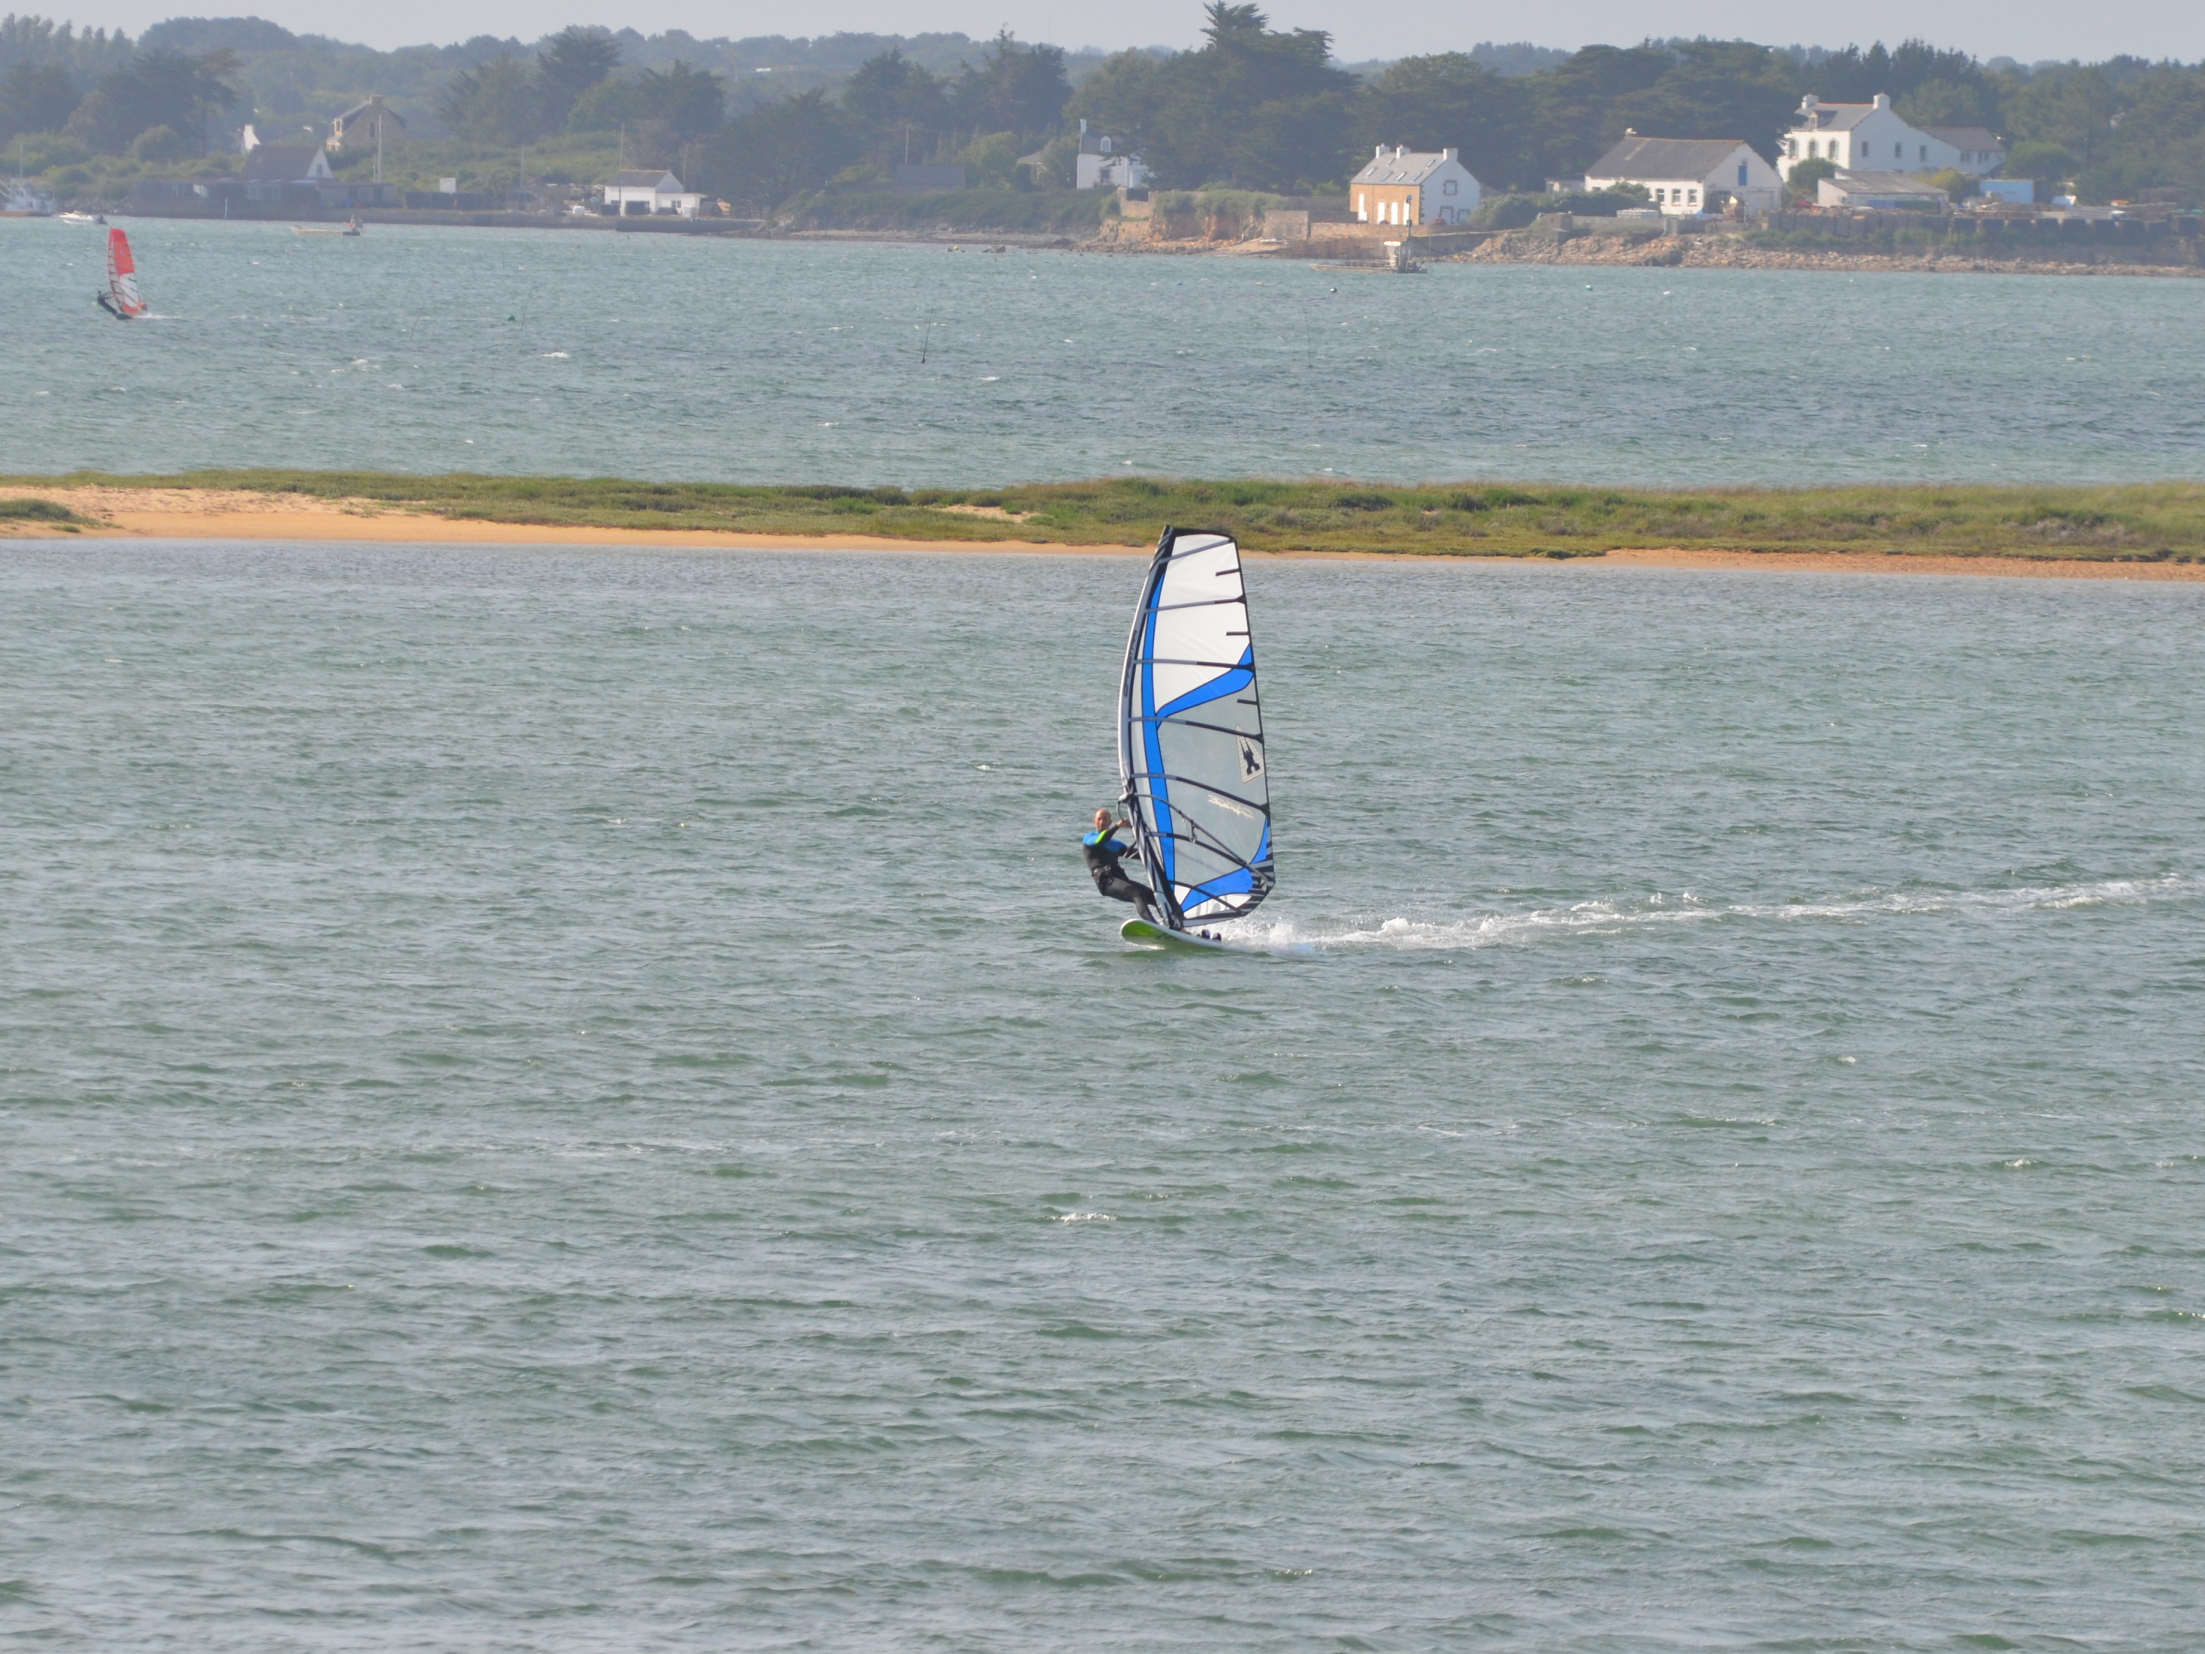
x: 50, y: 512
x: 2130, y: 522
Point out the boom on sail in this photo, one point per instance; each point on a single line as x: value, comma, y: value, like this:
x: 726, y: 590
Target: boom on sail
x: 1190, y: 734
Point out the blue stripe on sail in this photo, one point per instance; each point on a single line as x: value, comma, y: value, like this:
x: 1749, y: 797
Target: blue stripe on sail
x: 1216, y: 689
x: 1263, y: 849
x: 1236, y: 883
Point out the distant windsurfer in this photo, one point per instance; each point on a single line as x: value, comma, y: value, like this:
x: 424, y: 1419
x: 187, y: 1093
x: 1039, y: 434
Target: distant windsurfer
x: 1103, y: 853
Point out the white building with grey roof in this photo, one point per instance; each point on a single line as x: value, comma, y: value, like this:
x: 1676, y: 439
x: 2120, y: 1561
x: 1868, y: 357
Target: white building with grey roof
x: 1688, y: 176
x: 1412, y: 186
x: 1870, y: 137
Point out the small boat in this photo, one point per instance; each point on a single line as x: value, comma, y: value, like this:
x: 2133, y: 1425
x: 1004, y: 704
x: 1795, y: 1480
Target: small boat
x: 318, y: 229
x: 121, y: 300
x: 26, y: 201
x: 82, y: 218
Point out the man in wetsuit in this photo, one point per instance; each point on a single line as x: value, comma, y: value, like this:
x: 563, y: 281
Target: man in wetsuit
x: 1102, y: 852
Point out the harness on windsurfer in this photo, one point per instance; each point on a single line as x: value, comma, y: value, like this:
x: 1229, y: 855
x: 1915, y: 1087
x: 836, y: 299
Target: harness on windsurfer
x: 1103, y: 853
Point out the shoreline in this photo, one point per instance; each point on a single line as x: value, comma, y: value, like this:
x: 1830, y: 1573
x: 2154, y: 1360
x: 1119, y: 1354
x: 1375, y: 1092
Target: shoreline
x: 1359, y: 248
x: 216, y: 514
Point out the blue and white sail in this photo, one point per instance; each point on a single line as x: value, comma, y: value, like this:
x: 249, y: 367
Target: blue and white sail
x: 1190, y: 734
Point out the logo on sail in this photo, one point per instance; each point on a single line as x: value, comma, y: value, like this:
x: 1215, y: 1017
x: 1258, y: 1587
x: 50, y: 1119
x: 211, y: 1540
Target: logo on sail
x: 1251, y: 761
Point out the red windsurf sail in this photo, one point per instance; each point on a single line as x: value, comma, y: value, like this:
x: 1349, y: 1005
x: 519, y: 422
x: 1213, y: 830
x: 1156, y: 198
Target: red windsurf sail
x: 122, y: 276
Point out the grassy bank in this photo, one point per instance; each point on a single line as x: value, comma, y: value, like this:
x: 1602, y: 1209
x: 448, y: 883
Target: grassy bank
x: 2141, y: 522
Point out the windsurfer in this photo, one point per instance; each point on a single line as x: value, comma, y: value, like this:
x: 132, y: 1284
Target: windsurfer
x: 107, y: 304
x: 1103, y: 853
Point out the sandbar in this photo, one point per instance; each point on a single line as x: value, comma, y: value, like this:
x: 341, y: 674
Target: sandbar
x: 224, y: 514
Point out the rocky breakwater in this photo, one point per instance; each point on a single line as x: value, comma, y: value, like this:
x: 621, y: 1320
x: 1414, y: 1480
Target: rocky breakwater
x: 1739, y: 249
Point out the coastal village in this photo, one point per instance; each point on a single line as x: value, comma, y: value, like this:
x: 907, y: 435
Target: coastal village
x: 1011, y: 148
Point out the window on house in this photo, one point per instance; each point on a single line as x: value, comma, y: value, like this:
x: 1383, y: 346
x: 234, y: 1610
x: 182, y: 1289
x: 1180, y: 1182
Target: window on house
x: 1694, y: 198
x: 1925, y: 152
x: 1741, y: 175
x: 1814, y: 148
x: 1448, y: 188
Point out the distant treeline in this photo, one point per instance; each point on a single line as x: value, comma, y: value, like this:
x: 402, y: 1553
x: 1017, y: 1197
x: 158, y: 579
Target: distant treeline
x: 762, y: 120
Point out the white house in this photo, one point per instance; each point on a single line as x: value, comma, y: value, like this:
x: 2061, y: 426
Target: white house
x: 1978, y: 150
x: 1868, y: 137
x: 1690, y: 175
x: 638, y: 192
x: 1408, y: 186
x: 287, y: 163
x: 1101, y: 165
x: 1880, y: 189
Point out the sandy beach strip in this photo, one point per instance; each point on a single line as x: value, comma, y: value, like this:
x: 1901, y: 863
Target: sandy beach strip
x: 211, y: 514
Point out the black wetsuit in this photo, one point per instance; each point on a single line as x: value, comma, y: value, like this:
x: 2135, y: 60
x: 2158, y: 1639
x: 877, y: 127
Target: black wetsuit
x: 1102, y: 853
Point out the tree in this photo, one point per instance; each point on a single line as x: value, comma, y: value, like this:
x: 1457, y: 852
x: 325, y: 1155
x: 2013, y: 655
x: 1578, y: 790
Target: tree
x: 889, y: 90
x: 1449, y: 101
x: 768, y: 154
x: 37, y: 97
x: 493, y: 103
x: 2074, y: 109
x: 1253, y: 107
x: 85, y: 56
x: 1801, y: 184
x: 1711, y: 89
x: 1951, y: 103
x: 1122, y: 96
x: 576, y: 60
x: 1015, y: 88
x: 689, y: 102
x: 1855, y: 76
x: 1575, y: 105
x: 157, y: 89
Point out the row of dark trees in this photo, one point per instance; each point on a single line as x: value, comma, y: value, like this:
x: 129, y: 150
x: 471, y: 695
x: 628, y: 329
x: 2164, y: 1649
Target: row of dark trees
x: 571, y: 86
x: 159, y: 103
x: 1251, y: 107
x: 1264, y: 109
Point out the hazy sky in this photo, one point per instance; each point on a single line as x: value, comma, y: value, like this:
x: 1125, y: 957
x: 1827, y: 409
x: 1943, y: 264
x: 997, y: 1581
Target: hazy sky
x: 2027, y: 29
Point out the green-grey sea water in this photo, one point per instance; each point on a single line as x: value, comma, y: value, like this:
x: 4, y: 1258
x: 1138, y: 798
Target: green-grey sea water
x: 582, y: 1101
x: 417, y: 349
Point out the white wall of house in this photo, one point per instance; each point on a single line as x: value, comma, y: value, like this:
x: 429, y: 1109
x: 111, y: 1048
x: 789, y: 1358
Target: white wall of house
x: 1108, y: 172
x: 1742, y: 174
x: 683, y: 203
x: 1979, y: 154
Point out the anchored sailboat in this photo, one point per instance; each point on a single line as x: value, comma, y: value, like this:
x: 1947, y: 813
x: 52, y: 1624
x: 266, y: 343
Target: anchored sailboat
x: 1190, y: 741
x: 121, y: 300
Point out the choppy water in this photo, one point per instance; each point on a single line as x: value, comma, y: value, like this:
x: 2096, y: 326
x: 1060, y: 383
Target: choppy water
x: 582, y: 1102
x: 659, y: 356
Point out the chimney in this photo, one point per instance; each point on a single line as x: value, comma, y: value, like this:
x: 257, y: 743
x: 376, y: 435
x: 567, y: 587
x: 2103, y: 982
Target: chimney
x: 1379, y: 154
x: 1630, y: 132
x: 1883, y: 100
x: 1449, y: 154
x: 1400, y: 150
x: 1808, y: 102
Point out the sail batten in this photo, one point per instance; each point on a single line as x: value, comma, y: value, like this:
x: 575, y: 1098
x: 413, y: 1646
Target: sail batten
x: 1190, y: 734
